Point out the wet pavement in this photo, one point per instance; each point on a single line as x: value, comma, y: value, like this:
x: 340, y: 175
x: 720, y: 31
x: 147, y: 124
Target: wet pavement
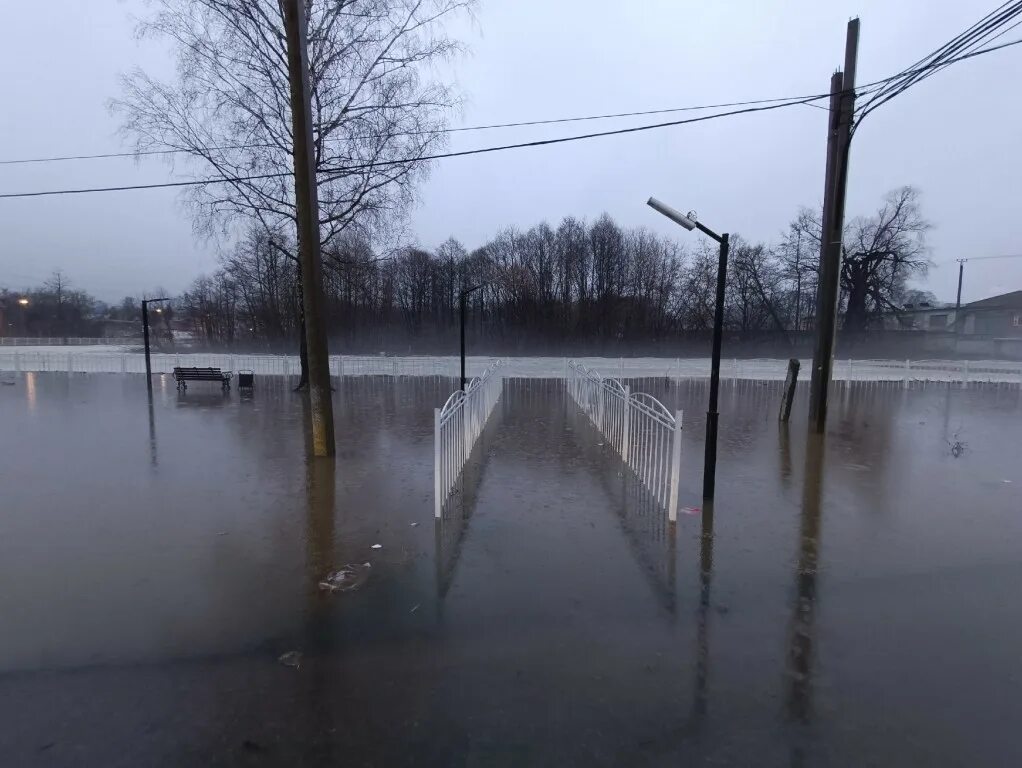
x: 854, y: 604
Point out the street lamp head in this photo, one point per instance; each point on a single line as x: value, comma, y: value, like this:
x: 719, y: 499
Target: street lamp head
x: 23, y: 302
x: 676, y: 216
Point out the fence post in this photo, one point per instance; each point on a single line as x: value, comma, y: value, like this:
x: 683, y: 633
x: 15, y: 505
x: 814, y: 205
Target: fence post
x: 672, y: 503
x: 626, y: 436
x: 17, y: 362
x: 908, y: 373
x: 849, y: 369
x: 124, y: 363
x: 70, y: 364
x: 965, y: 374
x: 437, y: 503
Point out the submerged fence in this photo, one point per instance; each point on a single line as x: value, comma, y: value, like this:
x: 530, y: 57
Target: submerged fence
x: 457, y: 426
x: 638, y: 426
x: 82, y: 359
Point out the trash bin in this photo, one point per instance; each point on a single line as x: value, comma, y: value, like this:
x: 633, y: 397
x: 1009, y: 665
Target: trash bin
x: 246, y: 379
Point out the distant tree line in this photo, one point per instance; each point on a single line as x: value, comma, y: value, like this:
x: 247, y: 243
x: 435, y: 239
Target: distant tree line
x: 57, y: 309
x: 579, y: 284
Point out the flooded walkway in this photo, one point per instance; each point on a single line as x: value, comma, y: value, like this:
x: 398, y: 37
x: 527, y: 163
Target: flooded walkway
x: 851, y: 606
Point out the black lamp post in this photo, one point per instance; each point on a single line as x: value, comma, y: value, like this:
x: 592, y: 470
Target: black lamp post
x: 462, y: 296
x: 689, y: 222
x: 145, y: 336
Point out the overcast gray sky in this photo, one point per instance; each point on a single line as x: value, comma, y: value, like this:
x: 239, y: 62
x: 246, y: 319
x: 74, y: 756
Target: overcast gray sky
x: 955, y: 136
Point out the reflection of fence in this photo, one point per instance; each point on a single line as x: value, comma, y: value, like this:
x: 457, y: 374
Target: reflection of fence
x: 638, y: 426
x: 457, y: 426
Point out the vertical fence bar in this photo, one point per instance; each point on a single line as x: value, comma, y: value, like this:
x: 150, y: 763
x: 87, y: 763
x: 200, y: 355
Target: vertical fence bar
x: 436, y: 464
x: 672, y: 504
x: 626, y: 426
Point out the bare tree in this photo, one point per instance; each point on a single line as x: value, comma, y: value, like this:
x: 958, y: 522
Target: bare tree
x: 377, y: 111
x: 799, y: 261
x: 881, y: 253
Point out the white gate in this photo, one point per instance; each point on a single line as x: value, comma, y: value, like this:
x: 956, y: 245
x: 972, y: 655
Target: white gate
x: 638, y: 426
x: 457, y: 426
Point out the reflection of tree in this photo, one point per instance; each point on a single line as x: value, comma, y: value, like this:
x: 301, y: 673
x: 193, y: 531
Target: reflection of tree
x: 784, y: 440
x: 800, y: 644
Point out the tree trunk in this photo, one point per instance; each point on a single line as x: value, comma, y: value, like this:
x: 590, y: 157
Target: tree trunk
x: 855, y: 314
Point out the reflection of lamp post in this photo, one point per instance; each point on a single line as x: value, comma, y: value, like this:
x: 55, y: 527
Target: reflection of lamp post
x: 462, y: 296
x: 689, y: 223
x: 145, y: 337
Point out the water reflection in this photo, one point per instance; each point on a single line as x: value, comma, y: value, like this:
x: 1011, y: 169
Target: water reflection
x: 703, y: 615
x: 152, y: 430
x: 800, y: 644
x: 30, y: 390
x: 450, y: 528
x: 651, y: 537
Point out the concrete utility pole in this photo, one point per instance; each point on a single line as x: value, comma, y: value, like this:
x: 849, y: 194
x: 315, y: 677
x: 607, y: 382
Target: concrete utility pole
x: 307, y: 206
x: 842, y: 106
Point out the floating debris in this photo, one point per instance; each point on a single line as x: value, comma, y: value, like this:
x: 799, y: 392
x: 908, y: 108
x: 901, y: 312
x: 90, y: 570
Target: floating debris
x: 415, y: 608
x: 291, y: 659
x: 690, y: 510
x: 348, y: 578
x: 414, y: 524
x: 376, y: 546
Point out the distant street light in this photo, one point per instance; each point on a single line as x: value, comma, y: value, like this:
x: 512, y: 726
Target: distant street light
x: 689, y: 222
x: 145, y: 336
x: 462, y: 296
x: 23, y: 302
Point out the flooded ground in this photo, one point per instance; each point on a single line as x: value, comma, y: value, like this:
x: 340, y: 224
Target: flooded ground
x: 856, y: 605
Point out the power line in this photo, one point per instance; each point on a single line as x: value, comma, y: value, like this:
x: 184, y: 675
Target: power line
x: 342, y: 171
x: 962, y: 46
x: 806, y: 99
x: 491, y: 126
x: 130, y: 187
x: 770, y: 105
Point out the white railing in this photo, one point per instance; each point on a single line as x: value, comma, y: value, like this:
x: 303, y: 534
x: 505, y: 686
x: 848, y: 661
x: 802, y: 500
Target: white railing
x: 113, y: 360
x: 457, y: 426
x: 604, y: 401
x: 638, y: 426
x: 68, y: 341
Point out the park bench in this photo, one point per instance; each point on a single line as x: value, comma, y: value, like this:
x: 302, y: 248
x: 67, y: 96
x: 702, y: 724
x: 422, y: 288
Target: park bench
x: 183, y: 375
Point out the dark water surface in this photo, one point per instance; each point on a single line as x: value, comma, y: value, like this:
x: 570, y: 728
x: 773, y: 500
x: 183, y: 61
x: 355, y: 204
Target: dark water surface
x: 854, y: 604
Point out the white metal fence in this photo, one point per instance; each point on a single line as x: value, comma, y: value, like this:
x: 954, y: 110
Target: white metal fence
x: 67, y: 341
x: 638, y: 426
x: 82, y: 359
x: 457, y: 426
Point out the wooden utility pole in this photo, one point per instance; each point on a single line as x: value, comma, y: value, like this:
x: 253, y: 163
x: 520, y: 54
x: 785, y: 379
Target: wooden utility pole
x: 958, y: 298
x: 307, y: 208
x: 842, y: 106
x: 790, y: 383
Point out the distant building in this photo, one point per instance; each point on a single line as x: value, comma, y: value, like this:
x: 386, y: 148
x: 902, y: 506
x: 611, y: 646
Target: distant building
x: 990, y: 326
x: 998, y: 316
x: 920, y: 317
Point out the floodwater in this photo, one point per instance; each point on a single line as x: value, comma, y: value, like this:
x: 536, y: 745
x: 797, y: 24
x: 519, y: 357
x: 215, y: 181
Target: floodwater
x: 853, y: 604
